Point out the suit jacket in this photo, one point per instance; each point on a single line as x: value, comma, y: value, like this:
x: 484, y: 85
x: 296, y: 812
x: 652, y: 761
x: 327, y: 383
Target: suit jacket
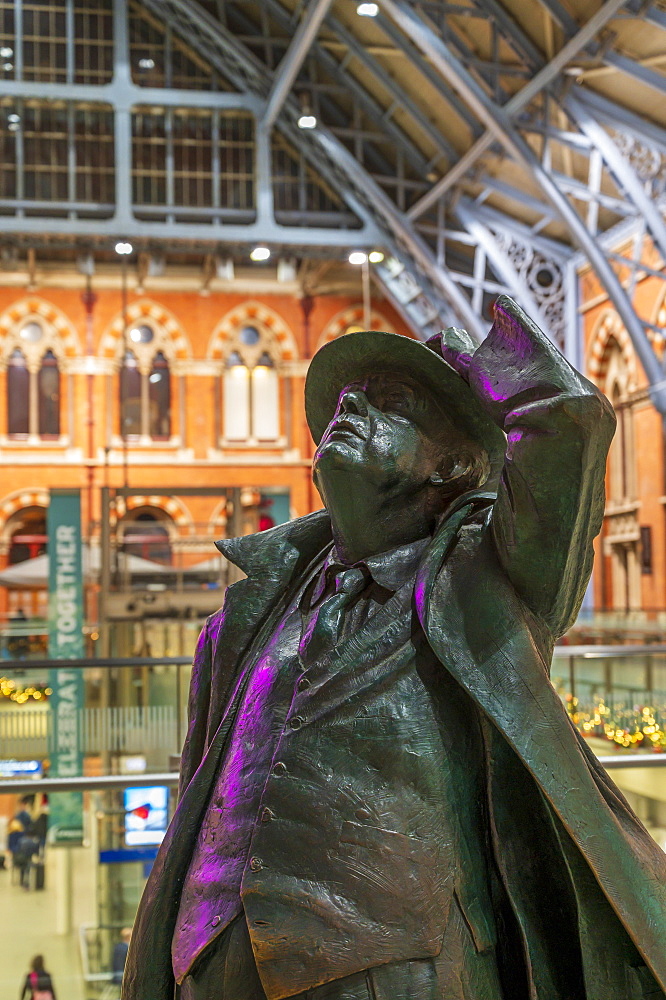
x: 492, y: 598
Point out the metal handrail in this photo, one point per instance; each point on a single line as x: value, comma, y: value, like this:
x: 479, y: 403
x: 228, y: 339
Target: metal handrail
x: 110, y: 781
x: 102, y: 782
x: 559, y: 653
x: 104, y: 661
x: 604, y: 652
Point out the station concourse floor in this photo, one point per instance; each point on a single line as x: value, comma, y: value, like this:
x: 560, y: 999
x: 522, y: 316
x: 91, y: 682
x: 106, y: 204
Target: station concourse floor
x: 27, y: 928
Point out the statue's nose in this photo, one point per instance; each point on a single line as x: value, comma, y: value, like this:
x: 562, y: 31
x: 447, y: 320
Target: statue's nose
x: 354, y: 401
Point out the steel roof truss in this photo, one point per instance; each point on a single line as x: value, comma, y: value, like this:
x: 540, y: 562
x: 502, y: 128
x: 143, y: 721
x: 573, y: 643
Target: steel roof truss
x: 374, y: 111
x: 539, y: 82
x: 294, y: 58
x: 500, y: 124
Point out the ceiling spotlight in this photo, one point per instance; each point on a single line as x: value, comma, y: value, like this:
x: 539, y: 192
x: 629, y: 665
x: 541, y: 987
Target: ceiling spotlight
x: 307, y: 121
x: 375, y: 257
x: 358, y: 257
x: 6, y: 52
x: 123, y: 248
x: 367, y: 9
x: 260, y: 253
x: 146, y: 63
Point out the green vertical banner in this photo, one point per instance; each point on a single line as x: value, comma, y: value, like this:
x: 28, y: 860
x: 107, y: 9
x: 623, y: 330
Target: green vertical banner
x: 65, y: 642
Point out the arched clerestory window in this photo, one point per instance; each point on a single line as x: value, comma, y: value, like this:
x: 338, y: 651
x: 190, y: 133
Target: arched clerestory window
x: 159, y: 399
x: 145, y: 388
x: 251, y: 390
x: 18, y: 394
x: 48, y: 397
x: 33, y: 387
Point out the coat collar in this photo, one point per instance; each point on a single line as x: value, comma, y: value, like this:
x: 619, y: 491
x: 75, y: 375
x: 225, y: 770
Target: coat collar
x: 279, y: 551
x: 283, y: 550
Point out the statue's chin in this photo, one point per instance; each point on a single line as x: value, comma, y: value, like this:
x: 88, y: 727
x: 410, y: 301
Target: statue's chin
x: 339, y: 456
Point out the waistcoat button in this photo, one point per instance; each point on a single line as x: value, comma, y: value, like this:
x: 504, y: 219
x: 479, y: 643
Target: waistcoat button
x: 279, y: 768
x: 256, y: 864
x: 295, y: 722
x: 215, y: 921
x: 304, y: 683
x: 267, y: 815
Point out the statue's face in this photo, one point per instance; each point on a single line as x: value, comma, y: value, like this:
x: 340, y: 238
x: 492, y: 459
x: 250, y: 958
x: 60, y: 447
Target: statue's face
x: 382, y: 430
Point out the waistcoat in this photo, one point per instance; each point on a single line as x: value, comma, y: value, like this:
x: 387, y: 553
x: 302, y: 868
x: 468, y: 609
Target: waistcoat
x: 349, y: 808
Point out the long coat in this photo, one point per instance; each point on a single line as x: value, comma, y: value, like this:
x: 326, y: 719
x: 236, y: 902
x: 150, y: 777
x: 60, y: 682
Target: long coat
x: 492, y: 595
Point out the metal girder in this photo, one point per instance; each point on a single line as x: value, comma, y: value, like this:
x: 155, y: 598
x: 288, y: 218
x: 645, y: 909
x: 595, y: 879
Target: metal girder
x: 293, y: 59
x: 637, y: 71
x: 621, y: 170
x: 401, y: 235
x: 122, y: 94
x: 519, y: 41
x: 499, y: 261
x: 574, y: 140
x: 402, y: 99
x: 140, y: 230
x: 561, y: 15
x: 129, y: 93
x: 427, y: 72
x: 500, y: 124
x: 369, y: 104
x: 539, y: 82
x: 544, y: 244
x: 334, y: 162
x: 579, y: 190
x: 653, y: 15
x: 612, y: 113
x: 519, y: 196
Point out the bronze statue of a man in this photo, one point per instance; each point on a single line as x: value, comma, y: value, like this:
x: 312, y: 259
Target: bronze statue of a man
x: 382, y: 796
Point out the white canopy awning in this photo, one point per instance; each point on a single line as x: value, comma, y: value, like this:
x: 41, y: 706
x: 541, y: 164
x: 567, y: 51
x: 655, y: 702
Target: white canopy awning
x: 35, y: 572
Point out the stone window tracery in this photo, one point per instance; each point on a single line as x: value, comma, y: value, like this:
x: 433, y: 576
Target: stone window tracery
x: 33, y: 381
x: 251, y: 389
x: 145, y: 385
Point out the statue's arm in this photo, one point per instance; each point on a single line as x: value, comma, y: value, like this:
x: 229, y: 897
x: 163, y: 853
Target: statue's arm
x: 551, y: 495
x: 197, y: 709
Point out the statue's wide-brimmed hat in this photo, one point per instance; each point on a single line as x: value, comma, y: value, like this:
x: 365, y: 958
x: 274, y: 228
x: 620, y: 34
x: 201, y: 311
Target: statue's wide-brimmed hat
x: 370, y: 352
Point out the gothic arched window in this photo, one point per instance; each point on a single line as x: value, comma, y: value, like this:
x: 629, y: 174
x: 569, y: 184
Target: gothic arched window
x: 130, y: 396
x: 48, y: 396
x: 251, y: 391
x: 145, y: 387
x: 18, y: 394
x: 159, y: 397
x: 33, y: 389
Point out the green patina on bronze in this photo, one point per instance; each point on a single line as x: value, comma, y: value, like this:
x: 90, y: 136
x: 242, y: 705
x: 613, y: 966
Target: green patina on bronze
x: 539, y: 882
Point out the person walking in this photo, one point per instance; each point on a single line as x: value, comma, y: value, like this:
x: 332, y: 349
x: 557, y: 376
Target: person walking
x: 38, y: 984
x: 120, y: 955
x: 20, y: 841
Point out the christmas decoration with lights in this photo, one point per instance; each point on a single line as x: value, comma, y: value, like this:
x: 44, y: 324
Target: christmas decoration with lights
x: 638, y: 727
x: 34, y: 692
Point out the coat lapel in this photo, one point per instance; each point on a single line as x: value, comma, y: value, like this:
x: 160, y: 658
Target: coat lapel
x: 271, y: 560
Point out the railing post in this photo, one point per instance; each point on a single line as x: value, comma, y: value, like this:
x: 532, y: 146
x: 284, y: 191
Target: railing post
x: 179, y: 708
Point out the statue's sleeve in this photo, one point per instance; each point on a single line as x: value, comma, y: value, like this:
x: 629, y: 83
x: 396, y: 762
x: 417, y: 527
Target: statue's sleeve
x: 551, y: 494
x: 197, y: 709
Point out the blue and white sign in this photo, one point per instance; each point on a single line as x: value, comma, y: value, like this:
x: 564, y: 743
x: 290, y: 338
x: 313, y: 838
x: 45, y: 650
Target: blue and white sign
x: 21, y: 768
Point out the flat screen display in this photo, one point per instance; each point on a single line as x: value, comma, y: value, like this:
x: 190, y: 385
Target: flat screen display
x: 146, y: 815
